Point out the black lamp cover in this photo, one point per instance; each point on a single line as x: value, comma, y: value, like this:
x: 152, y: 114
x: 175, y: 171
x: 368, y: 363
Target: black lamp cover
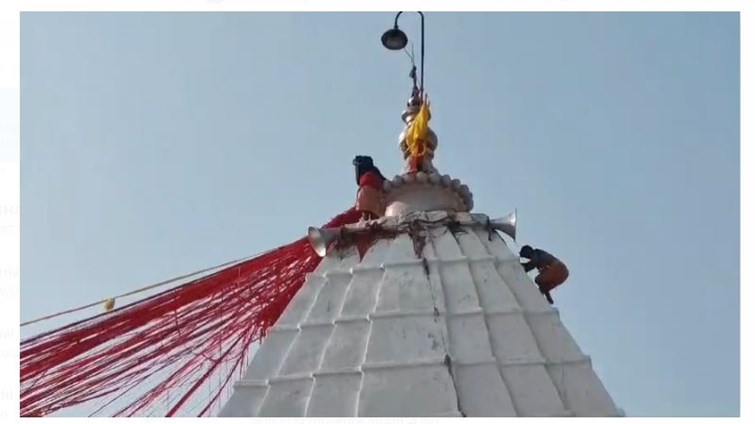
x: 394, y: 39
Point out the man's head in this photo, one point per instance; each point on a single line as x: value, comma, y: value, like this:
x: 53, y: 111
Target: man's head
x: 526, y: 251
x: 362, y: 164
x: 363, y: 161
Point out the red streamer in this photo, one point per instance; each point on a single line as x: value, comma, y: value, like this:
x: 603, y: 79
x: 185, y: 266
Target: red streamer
x: 161, y: 352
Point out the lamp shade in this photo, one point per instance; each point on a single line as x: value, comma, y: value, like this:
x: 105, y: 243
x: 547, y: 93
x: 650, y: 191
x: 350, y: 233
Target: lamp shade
x: 394, y: 39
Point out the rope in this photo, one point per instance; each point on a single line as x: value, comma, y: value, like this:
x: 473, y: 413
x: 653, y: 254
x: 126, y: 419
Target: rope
x: 131, y: 293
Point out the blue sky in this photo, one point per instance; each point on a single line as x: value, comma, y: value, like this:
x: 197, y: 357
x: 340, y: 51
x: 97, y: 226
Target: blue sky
x: 153, y: 145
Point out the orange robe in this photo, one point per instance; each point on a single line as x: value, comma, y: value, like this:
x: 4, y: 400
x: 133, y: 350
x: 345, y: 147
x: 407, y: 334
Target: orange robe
x: 551, y: 276
x: 370, y: 195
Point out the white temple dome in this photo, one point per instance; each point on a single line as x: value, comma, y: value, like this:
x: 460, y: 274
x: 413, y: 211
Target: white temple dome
x: 439, y: 321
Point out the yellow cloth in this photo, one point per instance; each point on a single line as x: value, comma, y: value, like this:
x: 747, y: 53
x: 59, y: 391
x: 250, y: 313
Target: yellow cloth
x: 416, y: 138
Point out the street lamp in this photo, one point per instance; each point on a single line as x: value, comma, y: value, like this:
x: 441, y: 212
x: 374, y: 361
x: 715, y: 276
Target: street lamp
x: 395, y: 39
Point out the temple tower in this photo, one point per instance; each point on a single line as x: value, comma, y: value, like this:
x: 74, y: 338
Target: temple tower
x: 424, y: 311
x: 436, y: 318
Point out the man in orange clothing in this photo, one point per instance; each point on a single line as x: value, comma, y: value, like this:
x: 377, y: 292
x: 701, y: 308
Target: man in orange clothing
x: 552, y: 272
x: 370, y: 202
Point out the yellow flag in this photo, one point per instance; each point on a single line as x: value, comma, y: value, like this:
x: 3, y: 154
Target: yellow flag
x: 416, y: 139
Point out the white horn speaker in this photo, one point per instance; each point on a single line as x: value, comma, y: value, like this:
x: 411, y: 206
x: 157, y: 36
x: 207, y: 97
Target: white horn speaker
x: 321, y: 238
x: 507, y: 224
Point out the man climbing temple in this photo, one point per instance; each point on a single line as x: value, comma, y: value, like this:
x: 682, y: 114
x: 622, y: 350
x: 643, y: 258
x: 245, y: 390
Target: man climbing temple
x: 370, y: 202
x: 552, y: 272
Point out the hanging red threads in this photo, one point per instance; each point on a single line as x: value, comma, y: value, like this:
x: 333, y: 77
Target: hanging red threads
x: 173, y: 342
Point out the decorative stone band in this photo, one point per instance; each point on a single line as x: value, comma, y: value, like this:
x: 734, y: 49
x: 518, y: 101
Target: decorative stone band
x: 427, y: 219
x: 390, y: 226
x: 415, y: 192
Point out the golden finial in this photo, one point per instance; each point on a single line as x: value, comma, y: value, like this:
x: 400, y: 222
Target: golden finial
x: 418, y: 141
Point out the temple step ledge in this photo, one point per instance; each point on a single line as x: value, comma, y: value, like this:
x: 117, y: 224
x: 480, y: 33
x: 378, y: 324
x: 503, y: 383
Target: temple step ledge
x: 339, y: 371
x: 291, y: 377
x: 376, y: 366
x: 543, y: 361
x: 261, y: 383
x: 415, y: 313
x: 422, y: 362
x: 418, y: 262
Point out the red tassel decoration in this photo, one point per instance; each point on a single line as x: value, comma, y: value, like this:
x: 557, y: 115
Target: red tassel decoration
x: 175, y: 353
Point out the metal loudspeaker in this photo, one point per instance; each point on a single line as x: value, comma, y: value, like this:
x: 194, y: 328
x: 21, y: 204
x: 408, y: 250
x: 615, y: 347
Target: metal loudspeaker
x: 507, y: 224
x: 321, y: 238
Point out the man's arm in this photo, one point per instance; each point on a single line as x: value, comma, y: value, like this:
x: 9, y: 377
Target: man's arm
x: 534, y: 261
x: 529, y: 266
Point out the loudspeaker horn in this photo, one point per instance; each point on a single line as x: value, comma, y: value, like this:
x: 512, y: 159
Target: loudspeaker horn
x: 321, y: 238
x: 507, y: 224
